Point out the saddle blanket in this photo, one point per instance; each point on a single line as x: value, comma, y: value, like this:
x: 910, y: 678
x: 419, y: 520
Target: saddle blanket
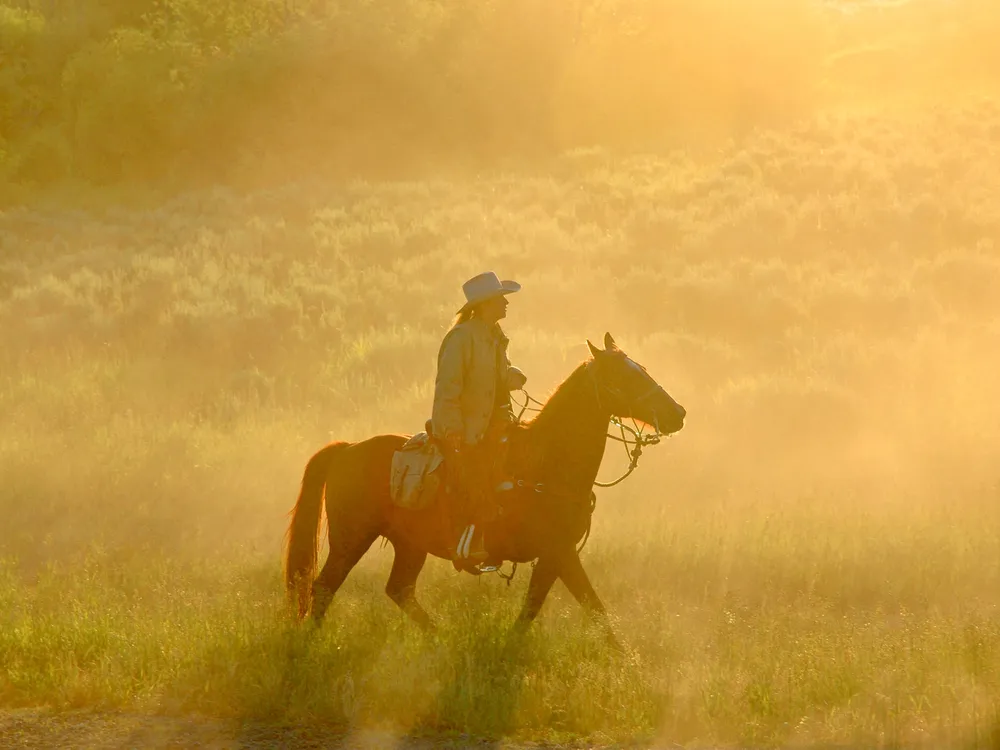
x: 415, y: 477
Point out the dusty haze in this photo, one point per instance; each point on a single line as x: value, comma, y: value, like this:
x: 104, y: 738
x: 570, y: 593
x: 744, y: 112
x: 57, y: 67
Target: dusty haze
x: 788, y: 212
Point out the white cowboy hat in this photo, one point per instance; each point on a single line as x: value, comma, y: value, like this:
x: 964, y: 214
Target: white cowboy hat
x: 486, y: 286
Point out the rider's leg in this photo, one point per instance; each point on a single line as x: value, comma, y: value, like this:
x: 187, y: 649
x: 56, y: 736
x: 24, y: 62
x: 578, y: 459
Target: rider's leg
x: 473, y: 475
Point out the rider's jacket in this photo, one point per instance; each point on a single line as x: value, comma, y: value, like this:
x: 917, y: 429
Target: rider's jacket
x: 474, y: 380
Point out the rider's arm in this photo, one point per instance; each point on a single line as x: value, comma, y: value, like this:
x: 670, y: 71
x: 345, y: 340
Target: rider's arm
x: 447, y: 412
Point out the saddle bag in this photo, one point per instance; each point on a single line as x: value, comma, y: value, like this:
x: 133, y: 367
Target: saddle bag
x: 416, y: 472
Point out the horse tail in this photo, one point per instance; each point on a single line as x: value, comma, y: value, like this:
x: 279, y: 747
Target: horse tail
x: 302, y: 536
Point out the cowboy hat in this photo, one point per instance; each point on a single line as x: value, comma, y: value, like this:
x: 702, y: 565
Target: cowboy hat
x: 486, y: 286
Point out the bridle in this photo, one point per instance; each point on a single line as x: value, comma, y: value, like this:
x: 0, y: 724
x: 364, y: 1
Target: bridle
x: 633, y: 445
x: 638, y: 440
x: 634, y: 442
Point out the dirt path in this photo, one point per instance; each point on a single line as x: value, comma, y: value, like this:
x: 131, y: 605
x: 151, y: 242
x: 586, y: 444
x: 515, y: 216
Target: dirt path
x: 85, y: 729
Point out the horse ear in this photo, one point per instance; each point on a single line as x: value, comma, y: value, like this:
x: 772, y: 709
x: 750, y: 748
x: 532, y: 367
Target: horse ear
x: 593, y: 349
x: 609, y: 343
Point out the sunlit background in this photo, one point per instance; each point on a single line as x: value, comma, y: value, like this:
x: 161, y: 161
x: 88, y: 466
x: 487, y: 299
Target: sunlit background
x: 232, y: 232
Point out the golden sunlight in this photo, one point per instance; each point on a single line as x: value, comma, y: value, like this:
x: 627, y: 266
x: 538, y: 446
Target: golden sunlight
x: 727, y: 403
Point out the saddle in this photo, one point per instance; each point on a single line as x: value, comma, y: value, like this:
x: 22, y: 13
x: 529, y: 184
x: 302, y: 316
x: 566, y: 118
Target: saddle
x: 416, y: 474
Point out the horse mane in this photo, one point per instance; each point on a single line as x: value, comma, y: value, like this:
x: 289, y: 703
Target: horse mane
x: 565, y: 392
x: 548, y: 425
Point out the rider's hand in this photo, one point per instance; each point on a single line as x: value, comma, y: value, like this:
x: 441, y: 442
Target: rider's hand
x: 515, y: 379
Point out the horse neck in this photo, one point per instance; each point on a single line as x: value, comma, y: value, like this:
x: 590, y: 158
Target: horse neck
x: 566, y: 442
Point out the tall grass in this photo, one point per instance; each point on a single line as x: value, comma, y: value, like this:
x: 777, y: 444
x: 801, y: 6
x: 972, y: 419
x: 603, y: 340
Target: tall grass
x: 743, y: 627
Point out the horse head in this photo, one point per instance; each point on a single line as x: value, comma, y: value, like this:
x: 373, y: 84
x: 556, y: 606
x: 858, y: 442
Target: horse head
x: 627, y: 390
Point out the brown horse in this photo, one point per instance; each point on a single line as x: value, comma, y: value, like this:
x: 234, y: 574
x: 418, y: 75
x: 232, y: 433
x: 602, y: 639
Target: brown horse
x: 554, y: 459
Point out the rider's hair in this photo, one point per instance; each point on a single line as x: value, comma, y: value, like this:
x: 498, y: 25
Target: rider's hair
x: 464, y: 316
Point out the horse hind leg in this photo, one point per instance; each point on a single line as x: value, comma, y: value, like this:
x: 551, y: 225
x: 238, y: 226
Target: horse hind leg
x: 402, y: 585
x: 342, y: 558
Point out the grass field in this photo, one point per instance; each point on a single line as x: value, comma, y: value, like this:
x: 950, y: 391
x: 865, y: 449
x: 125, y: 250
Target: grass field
x: 813, y: 561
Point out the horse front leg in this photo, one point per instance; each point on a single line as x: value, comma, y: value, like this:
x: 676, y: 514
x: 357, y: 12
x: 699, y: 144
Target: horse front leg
x: 578, y: 582
x: 543, y: 575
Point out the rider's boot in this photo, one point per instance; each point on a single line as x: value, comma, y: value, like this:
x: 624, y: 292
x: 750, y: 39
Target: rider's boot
x: 471, y: 549
x: 476, y: 547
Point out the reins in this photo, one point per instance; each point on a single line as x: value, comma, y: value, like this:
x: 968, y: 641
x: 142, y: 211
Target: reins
x: 633, y: 449
x: 638, y: 440
x: 633, y: 445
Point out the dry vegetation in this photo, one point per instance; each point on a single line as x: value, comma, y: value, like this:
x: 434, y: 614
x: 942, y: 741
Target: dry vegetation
x: 815, y: 558
x: 180, y: 92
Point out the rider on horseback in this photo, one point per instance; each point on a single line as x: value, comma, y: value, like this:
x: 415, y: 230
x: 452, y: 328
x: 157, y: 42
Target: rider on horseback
x: 472, y: 408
